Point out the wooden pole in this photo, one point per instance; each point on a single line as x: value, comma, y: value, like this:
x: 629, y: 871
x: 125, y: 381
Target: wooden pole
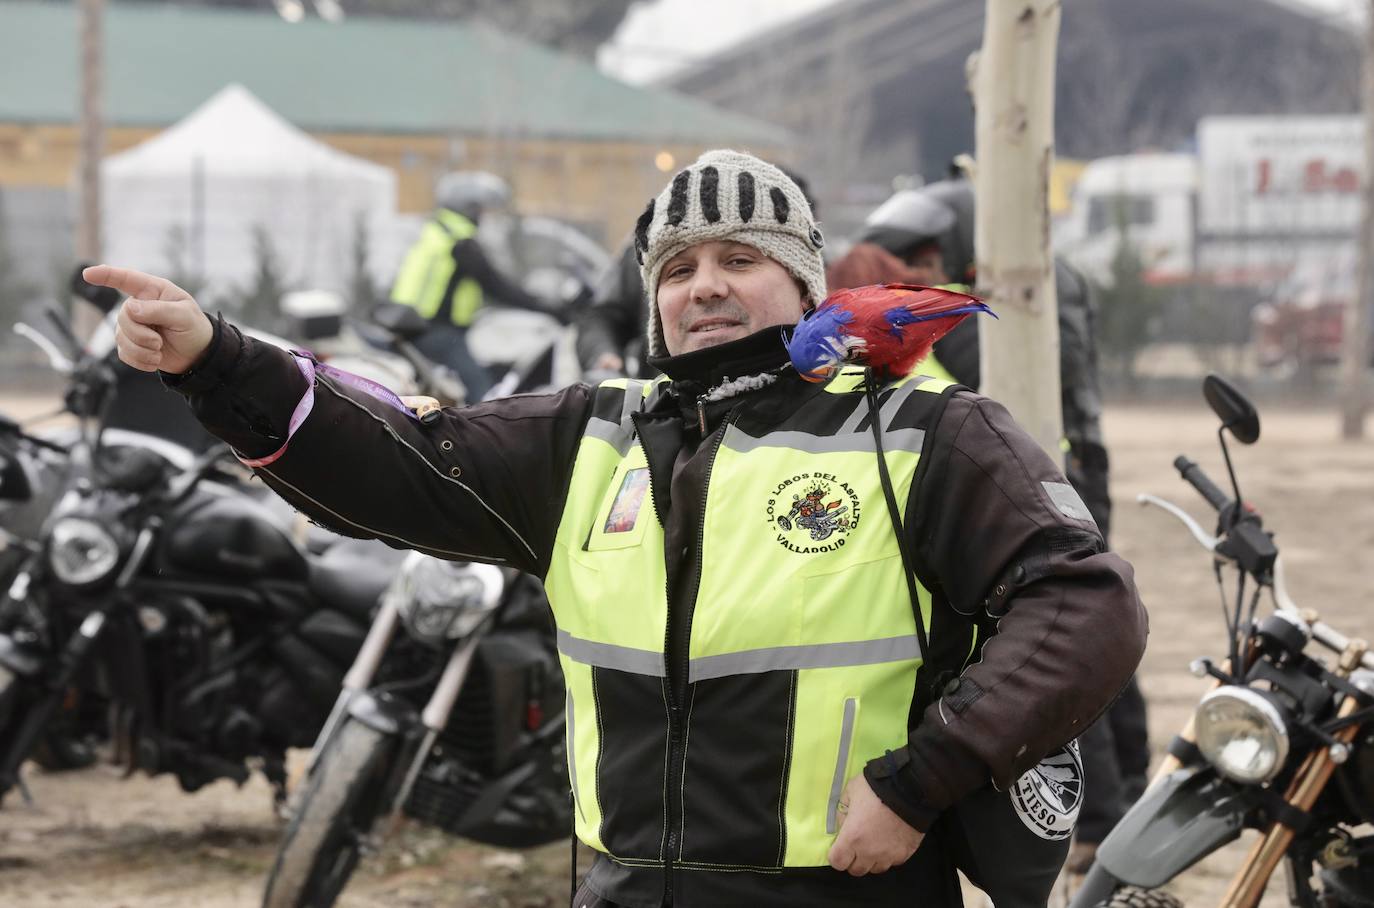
x: 1012, y: 80
x: 1355, y: 350
x: 91, y: 130
x: 91, y: 146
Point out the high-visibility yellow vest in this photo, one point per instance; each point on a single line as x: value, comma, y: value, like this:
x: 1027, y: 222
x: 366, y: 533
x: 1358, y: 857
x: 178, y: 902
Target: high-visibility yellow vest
x: 428, y: 269
x: 803, y: 648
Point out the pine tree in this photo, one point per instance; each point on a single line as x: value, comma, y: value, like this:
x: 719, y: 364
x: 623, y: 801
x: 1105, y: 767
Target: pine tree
x: 258, y: 304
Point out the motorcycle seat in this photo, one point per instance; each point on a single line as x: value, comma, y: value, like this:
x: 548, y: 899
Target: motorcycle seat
x: 352, y: 574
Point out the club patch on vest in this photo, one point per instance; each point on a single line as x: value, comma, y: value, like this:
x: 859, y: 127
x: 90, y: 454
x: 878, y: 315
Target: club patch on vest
x: 812, y: 512
x: 1048, y: 797
x: 628, y: 500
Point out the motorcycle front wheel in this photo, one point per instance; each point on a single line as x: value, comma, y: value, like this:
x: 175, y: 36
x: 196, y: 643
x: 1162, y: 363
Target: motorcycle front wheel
x: 1135, y: 897
x: 325, y: 836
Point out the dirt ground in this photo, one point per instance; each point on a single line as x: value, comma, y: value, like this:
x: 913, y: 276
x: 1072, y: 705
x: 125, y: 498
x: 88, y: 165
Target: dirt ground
x: 93, y: 839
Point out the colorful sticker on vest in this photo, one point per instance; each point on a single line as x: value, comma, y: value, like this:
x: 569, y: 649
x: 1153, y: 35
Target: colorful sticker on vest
x: 812, y: 512
x: 628, y: 500
x: 1047, y: 798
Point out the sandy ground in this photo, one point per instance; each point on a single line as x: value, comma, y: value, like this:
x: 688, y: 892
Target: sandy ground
x: 93, y: 839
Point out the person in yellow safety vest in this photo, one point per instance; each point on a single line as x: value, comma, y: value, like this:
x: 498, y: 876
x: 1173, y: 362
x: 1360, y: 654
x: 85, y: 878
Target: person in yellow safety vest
x: 823, y: 643
x: 447, y: 277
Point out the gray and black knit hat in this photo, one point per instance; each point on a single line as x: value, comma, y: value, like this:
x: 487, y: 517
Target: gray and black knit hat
x: 729, y: 195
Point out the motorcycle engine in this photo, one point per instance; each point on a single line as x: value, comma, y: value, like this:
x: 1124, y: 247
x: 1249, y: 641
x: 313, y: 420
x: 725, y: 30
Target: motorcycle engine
x: 504, y: 738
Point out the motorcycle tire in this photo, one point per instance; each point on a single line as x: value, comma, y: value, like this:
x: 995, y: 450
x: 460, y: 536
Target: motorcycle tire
x: 324, y: 838
x: 1135, y: 897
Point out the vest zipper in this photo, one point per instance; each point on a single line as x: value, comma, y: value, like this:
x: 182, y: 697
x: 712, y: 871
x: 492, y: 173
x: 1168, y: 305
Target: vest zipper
x: 678, y: 670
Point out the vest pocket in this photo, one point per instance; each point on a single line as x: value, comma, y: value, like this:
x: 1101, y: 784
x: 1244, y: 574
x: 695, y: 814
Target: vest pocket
x: 841, y: 776
x: 625, y: 510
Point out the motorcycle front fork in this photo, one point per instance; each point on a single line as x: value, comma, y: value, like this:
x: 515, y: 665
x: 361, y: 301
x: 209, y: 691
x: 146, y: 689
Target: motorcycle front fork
x: 436, y: 712
x: 35, y: 719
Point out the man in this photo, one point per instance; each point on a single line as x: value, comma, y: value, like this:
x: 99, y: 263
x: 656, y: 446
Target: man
x: 447, y: 277
x: 753, y: 719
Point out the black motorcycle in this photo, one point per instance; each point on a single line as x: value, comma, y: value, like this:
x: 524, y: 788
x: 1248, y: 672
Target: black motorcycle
x: 457, y: 723
x: 172, y: 594
x: 1283, y: 744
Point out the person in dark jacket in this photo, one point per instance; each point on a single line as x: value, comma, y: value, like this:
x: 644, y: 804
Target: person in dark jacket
x: 781, y: 692
x: 447, y: 277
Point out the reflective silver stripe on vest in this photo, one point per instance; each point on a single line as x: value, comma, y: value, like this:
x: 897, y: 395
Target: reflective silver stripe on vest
x: 899, y: 440
x: 841, y: 761
x: 608, y: 655
x: 849, y: 437
x: 888, y: 408
x: 619, y: 435
x: 816, y: 655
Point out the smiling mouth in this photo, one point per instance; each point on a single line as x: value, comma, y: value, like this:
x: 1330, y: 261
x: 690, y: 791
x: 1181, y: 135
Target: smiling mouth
x: 712, y: 324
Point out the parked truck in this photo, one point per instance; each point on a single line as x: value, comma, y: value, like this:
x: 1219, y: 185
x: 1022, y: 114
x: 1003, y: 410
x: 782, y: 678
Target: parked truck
x: 1263, y: 213
x: 1259, y: 196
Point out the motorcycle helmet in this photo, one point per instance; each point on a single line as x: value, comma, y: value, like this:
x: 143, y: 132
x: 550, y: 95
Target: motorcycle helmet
x: 471, y: 192
x: 941, y: 211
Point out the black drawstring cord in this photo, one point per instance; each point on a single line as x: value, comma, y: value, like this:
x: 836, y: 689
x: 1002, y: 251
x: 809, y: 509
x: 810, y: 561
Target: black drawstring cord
x: 572, y: 865
x: 875, y: 422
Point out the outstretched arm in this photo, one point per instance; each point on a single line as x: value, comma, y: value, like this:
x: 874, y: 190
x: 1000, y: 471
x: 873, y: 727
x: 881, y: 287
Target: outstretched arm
x: 480, y: 483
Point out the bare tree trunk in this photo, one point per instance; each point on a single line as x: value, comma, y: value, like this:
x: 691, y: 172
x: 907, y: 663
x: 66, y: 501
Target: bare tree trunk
x: 91, y: 143
x: 1013, y: 93
x: 1355, y: 338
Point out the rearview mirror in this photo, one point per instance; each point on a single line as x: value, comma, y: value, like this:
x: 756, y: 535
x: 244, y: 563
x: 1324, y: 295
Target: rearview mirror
x: 103, y: 298
x: 400, y: 320
x: 1234, y: 410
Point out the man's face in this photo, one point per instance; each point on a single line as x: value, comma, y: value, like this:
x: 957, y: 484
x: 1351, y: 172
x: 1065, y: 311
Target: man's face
x: 721, y: 291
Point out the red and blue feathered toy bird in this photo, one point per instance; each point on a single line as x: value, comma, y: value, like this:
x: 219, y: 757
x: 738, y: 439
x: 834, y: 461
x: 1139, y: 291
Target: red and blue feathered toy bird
x: 887, y: 327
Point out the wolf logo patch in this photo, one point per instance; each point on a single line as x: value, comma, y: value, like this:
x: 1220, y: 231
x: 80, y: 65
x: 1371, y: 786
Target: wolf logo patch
x: 1048, y: 797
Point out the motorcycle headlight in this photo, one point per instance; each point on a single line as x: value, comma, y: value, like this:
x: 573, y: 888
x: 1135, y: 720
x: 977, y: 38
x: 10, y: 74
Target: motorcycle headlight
x: 81, y: 551
x: 444, y: 600
x: 1242, y: 733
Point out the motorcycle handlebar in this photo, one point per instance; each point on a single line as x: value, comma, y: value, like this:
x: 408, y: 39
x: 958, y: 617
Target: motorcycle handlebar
x: 1195, y: 477
x: 64, y: 331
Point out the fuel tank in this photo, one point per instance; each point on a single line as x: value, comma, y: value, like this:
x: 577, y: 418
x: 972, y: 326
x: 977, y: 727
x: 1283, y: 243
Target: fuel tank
x: 227, y: 535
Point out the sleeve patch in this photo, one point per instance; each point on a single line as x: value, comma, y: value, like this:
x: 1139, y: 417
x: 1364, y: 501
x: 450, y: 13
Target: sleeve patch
x: 1066, y: 499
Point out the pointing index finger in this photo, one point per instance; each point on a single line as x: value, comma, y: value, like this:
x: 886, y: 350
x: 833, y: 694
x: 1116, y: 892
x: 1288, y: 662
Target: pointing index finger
x: 134, y: 283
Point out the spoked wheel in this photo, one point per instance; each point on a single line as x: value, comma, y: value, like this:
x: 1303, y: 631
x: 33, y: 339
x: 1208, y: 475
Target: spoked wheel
x: 1135, y: 897
x: 337, y: 810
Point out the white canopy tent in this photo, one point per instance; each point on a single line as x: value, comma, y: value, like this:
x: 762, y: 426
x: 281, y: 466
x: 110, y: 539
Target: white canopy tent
x: 193, y: 197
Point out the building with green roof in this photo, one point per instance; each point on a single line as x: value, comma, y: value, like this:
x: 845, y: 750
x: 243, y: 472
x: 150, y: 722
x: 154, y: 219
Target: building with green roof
x: 419, y: 97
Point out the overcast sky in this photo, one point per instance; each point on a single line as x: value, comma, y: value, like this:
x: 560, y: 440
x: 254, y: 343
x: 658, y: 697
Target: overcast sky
x: 659, y: 36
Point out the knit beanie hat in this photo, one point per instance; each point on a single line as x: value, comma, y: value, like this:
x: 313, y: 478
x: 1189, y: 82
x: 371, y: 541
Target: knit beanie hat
x: 736, y: 197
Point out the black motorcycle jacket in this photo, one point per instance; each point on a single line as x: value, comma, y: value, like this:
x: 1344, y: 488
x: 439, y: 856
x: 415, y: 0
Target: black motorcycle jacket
x: 994, y: 539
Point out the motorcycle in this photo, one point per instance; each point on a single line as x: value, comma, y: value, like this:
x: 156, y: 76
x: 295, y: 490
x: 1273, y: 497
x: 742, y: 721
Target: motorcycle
x: 1282, y: 744
x: 159, y: 586
x: 457, y: 723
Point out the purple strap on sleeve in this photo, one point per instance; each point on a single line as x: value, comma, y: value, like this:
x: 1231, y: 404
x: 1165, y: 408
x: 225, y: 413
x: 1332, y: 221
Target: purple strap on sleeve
x: 309, y: 366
